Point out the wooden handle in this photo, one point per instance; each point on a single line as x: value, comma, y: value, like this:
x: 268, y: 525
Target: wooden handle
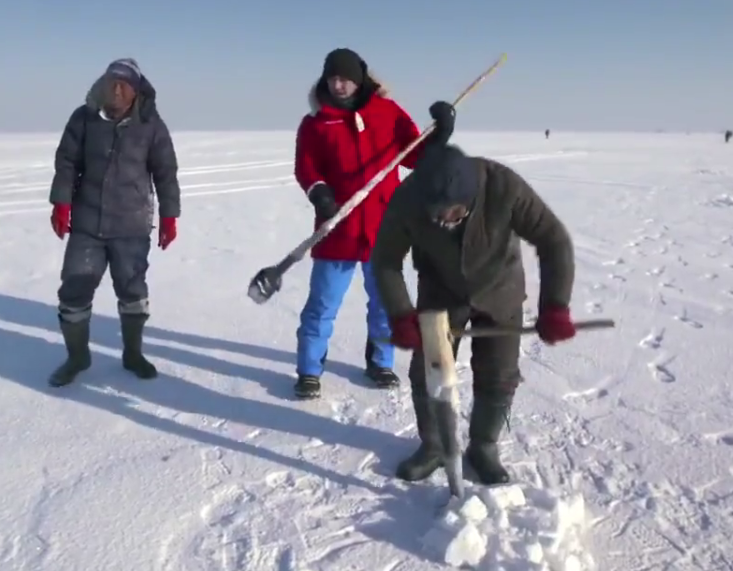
x: 588, y: 325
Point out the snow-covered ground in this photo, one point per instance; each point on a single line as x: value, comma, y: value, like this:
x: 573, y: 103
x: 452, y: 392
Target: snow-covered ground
x: 621, y: 442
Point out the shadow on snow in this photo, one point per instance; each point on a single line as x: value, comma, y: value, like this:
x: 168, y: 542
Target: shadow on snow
x: 28, y: 360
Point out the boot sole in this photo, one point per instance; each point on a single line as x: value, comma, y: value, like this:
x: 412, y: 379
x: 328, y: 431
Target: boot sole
x: 56, y: 383
x: 308, y: 394
x: 142, y: 377
x: 382, y: 385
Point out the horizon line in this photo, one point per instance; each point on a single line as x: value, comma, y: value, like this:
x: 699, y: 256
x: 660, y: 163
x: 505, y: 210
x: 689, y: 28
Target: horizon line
x: 458, y: 132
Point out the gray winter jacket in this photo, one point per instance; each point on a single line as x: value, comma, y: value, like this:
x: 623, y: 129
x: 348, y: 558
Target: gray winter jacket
x: 109, y: 171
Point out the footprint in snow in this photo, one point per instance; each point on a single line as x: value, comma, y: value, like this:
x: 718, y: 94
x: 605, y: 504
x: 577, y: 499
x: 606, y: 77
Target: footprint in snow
x: 588, y: 395
x: 279, y: 479
x: 531, y: 349
x: 683, y: 318
x: 653, y: 340
x: 718, y: 438
x: 668, y: 284
x: 660, y: 371
x: 658, y: 271
x: 213, y: 467
x: 345, y: 411
x: 594, y: 307
x: 235, y: 529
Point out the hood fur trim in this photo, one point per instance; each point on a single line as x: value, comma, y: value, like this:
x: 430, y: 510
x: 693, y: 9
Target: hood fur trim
x: 145, y: 101
x: 315, y: 105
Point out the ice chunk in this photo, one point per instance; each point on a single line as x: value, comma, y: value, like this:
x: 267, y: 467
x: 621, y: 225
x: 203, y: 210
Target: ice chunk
x: 457, y: 544
x: 508, y: 527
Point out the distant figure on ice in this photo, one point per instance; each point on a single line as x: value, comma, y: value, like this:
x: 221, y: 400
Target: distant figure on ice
x: 728, y: 135
x: 547, y: 133
x: 353, y: 131
x: 463, y: 217
x: 114, y: 149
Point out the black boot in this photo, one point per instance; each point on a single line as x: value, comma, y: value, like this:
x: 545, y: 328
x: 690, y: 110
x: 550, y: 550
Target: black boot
x: 383, y: 377
x: 132, y: 340
x: 308, y: 387
x: 487, y: 421
x: 427, y: 458
x: 76, y: 338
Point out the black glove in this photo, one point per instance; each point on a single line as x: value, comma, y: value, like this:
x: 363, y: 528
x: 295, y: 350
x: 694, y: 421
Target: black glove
x: 444, y: 115
x: 322, y: 198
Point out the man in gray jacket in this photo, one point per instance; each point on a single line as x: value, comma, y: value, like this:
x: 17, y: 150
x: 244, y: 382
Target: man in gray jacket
x: 464, y: 219
x: 114, y: 156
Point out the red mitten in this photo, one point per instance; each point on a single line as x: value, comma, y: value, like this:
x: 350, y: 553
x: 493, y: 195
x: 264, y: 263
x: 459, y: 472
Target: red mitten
x: 167, y: 232
x: 61, y: 219
x: 406, y: 331
x: 554, y: 324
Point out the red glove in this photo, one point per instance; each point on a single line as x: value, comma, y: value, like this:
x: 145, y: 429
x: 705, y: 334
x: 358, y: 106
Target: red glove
x: 554, y: 324
x: 167, y: 232
x: 406, y: 331
x: 61, y: 219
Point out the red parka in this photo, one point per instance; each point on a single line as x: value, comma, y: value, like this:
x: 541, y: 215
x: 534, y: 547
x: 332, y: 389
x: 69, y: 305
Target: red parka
x: 345, y: 149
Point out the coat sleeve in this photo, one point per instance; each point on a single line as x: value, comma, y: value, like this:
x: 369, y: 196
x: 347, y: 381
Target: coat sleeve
x: 406, y: 131
x: 69, y: 160
x: 391, y: 247
x: 163, y: 165
x: 536, y: 223
x: 308, y: 164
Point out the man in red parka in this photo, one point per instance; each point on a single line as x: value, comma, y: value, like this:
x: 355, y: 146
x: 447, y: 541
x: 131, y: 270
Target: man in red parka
x: 353, y: 131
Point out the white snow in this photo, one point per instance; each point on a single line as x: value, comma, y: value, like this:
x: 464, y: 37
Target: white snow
x: 621, y: 442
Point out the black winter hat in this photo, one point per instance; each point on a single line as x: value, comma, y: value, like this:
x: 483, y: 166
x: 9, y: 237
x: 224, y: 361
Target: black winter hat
x: 345, y: 63
x: 127, y: 70
x: 445, y: 177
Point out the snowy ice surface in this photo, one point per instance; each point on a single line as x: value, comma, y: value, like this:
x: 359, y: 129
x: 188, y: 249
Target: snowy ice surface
x: 621, y: 444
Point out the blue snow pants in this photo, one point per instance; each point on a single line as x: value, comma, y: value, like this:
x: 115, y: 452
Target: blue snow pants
x: 329, y: 282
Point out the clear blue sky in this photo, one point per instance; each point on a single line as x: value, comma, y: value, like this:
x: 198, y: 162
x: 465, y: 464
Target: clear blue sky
x: 247, y: 64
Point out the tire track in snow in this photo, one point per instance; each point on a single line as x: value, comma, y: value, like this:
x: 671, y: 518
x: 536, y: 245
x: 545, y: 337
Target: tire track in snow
x: 15, y: 207
x: 21, y: 189
x: 232, y: 167
x: 7, y: 207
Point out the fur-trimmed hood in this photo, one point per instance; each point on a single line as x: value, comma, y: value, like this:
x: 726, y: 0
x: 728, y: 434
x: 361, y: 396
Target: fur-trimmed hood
x: 145, y: 104
x: 320, y: 88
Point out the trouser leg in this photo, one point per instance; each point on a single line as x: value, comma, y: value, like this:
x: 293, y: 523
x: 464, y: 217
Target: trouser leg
x: 379, y: 354
x: 84, y: 265
x: 128, y: 258
x: 329, y: 282
x: 496, y: 376
x: 428, y: 456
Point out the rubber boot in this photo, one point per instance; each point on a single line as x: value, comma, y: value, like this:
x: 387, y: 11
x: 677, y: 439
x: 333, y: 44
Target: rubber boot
x: 76, y: 339
x: 427, y: 458
x: 132, y: 340
x: 487, y: 421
